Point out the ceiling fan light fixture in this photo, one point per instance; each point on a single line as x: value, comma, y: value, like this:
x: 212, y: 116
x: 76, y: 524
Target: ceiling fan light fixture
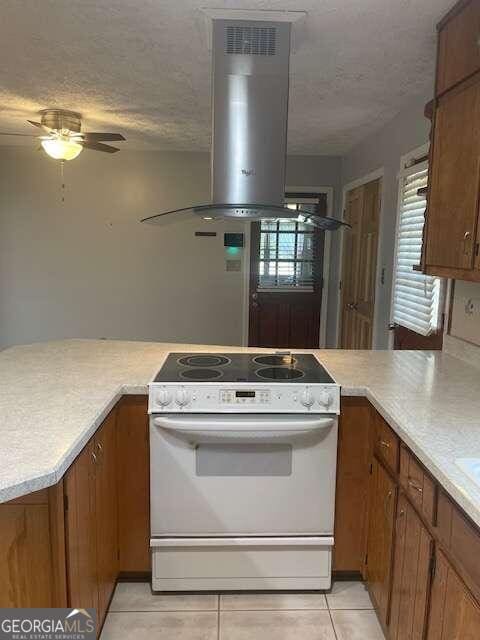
x: 61, y: 148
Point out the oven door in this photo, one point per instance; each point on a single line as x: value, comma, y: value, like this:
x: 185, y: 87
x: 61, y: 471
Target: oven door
x: 242, y: 475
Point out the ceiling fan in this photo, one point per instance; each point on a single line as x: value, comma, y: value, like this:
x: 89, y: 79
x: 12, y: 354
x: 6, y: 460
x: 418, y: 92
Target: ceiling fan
x: 63, y: 138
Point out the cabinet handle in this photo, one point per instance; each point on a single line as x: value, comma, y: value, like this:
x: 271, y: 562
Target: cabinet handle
x: 401, y: 513
x: 415, y: 486
x: 466, y: 238
x: 387, y: 502
x: 94, y: 457
x: 382, y: 443
x: 99, y: 446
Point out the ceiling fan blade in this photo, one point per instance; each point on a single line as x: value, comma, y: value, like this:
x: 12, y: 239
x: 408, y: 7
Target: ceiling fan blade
x: 23, y: 135
x: 102, y: 136
x: 40, y: 126
x: 98, y: 146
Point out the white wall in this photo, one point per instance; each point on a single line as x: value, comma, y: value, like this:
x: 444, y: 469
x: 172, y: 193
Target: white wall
x: 465, y: 318
x: 407, y: 131
x: 88, y: 268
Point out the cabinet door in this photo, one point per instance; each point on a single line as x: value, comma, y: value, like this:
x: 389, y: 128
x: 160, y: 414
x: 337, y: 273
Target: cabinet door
x: 353, y: 474
x: 454, y: 614
x: 133, y: 481
x: 380, y: 535
x: 458, y: 47
x: 453, y: 198
x: 106, y: 512
x: 411, y: 575
x: 81, y: 531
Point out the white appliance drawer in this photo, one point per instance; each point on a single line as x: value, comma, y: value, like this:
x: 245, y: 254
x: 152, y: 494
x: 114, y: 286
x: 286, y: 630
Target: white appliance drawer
x: 200, y: 564
x: 242, y: 475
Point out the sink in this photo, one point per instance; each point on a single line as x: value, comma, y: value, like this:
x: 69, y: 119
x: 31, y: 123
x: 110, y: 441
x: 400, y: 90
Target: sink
x: 470, y: 466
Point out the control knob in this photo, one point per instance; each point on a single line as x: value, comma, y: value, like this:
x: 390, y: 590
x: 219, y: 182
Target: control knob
x: 164, y: 397
x: 307, y: 398
x: 325, y: 399
x: 182, y: 397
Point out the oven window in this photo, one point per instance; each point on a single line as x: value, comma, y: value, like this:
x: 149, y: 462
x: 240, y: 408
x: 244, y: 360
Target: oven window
x: 244, y: 460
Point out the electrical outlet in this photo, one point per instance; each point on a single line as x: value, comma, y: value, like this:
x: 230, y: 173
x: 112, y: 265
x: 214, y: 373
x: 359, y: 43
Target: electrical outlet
x: 472, y: 306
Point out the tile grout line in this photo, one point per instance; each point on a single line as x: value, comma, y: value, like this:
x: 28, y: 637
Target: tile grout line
x: 333, y: 624
x: 218, y: 616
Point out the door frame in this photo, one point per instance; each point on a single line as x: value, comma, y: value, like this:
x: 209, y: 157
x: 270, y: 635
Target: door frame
x: 328, y: 191
x: 378, y: 174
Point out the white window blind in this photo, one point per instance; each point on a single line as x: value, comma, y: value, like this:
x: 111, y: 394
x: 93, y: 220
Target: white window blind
x: 416, y: 297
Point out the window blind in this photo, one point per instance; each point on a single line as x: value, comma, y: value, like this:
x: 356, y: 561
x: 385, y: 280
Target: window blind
x: 416, y: 298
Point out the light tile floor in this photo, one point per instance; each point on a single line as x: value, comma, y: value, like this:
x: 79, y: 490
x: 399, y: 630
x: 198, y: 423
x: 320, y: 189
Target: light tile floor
x: 345, y: 613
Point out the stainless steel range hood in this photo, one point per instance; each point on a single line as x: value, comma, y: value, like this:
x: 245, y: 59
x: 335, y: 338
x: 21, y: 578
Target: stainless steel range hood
x: 250, y: 64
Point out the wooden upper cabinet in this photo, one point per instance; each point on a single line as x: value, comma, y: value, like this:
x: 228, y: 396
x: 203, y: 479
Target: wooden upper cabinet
x: 380, y: 536
x: 454, y: 614
x: 411, y: 575
x: 454, y: 181
x: 458, y: 45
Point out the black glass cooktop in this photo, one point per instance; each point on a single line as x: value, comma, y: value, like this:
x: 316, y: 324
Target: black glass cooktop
x: 242, y: 367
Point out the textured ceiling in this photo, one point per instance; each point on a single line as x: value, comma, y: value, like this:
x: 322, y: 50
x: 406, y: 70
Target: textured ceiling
x: 142, y: 67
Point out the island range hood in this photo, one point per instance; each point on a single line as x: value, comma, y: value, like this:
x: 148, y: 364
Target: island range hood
x: 250, y: 65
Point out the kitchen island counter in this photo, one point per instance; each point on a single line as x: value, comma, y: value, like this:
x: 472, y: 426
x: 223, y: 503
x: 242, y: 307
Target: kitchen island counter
x: 54, y: 396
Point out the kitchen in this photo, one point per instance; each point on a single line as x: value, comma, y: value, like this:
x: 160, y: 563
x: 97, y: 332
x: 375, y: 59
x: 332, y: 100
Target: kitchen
x: 106, y: 323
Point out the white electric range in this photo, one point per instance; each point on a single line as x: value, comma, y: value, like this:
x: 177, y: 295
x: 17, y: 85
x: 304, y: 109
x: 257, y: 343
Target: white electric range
x: 243, y: 451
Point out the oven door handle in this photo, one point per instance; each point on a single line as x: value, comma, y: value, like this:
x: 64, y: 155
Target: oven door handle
x: 251, y: 428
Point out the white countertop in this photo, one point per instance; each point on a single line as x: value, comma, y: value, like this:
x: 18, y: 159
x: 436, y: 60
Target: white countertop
x: 54, y: 395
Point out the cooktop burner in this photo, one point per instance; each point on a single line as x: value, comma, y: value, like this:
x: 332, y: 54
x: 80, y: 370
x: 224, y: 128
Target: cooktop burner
x: 279, y: 373
x: 275, y: 360
x: 204, y: 361
x: 201, y: 374
x: 301, y: 368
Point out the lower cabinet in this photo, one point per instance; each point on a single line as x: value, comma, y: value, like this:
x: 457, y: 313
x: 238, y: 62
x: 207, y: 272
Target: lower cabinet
x: 411, y: 575
x: 454, y: 614
x: 383, y: 494
x: 91, y: 522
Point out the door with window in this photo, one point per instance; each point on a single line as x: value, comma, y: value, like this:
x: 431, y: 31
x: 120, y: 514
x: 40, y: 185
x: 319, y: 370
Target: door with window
x: 286, y: 280
x: 417, y: 299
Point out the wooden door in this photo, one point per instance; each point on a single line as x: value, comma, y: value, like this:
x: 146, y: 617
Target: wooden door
x: 81, y: 531
x: 286, y: 283
x: 106, y: 512
x: 380, y: 537
x: 453, y: 199
x: 454, y: 614
x: 411, y: 575
x: 360, y: 245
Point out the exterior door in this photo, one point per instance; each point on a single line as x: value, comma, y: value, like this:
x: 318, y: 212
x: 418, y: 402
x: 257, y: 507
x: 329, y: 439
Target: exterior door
x: 359, y: 266
x: 286, y: 268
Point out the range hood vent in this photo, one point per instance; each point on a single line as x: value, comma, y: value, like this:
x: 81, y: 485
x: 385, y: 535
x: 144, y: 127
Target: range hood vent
x: 252, y: 41
x: 250, y: 66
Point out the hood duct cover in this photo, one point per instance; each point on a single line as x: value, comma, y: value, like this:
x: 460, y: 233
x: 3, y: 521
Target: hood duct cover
x: 250, y: 62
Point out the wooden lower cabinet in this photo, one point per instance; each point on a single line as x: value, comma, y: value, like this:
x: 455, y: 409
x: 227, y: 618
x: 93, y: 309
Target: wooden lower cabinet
x: 92, y: 523
x: 411, y: 575
x: 133, y: 482
x: 383, y: 495
x: 353, y: 474
x: 454, y: 614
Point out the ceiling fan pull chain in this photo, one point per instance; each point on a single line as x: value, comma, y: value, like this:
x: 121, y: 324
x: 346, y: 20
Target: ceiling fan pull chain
x: 62, y: 176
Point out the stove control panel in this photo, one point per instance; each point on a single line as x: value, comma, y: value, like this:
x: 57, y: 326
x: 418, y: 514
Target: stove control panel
x: 242, y: 398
